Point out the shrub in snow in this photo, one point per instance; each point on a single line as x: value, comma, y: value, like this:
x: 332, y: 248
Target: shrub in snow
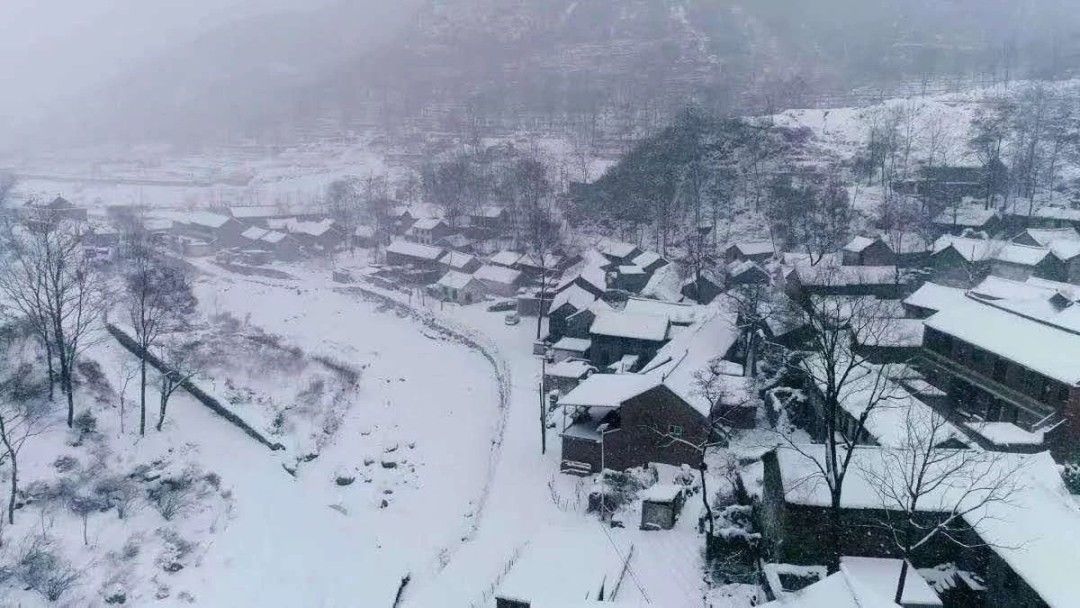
x: 175, y: 551
x: 172, y: 496
x: 40, y: 568
x: 65, y: 464
x: 1071, y: 474
x: 84, y: 425
x: 343, y: 477
x: 117, y: 492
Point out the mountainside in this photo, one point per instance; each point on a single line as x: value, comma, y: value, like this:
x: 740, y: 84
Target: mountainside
x: 620, y: 65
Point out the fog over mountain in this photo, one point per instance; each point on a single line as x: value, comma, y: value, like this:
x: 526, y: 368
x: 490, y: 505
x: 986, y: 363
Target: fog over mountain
x: 242, y: 68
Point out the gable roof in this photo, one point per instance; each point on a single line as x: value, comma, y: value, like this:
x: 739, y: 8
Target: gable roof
x: 629, y: 325
x: 682, y: 314
x: 617, y: 249
x: 967, y: 216
x: 415, y: 250
x: 609, y: 390
x: 934, y: 297
x: 427, y: 223
x: 648, y: 258
x: 498, y: 274
x: 506, y: 258
x: 575, y: 296
x: 749, y: 248
x: 860, y: 243
x: 1045, y: 236
x: 1013, y: 336
x: 458, y: 260
x: 972, y: 250
x: 1022, y: 255
x: 455, y: 280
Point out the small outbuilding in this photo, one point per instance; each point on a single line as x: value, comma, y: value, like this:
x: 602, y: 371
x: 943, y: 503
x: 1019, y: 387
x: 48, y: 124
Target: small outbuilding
x: 660, y: 506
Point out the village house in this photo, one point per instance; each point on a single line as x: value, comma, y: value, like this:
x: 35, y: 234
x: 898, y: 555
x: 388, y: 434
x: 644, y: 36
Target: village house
x: 1014, y: 548
x: 490, y: 218
x: 829, y: 280
x: 578, y: 324
x: 58, y: 209
x: 616, y: 335
x: 1047, y: 217
x: 427, y: 231
x: 945, y: 183
x: 618, y: 253
x: 534, y: 269
x: 700, y: 289
x: 571, y: 300
x: 630, y: 278
x: 398, y: 219
x: 618, y: 421
x: 746, y: 273
x: 564, y: 376
x: 1020, y: 262
x: 461, y: 262
x: 677, y: 313
x: 753, y: 251
x: 1044, y: 237
x: 970, y: 218
x: 316, y: 236
x: 649, y: 261
x: 260, y: 215
x: 499, y: 280
x: 278, y: 245
x: 910, y: 250
x: 570, y: 348
x: 402, y: 252
x: 991, y: 358
x: 961, y: 262
x: 590, y: 278
x: 219, y: 231
x: 929, y: 298
x: 460, y: 288
x: 364, y: 236
x: 505, y: 258
x: 866, y: 251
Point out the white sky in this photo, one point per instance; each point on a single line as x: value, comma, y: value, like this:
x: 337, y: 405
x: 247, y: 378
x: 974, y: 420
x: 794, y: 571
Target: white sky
x: 50, y: 47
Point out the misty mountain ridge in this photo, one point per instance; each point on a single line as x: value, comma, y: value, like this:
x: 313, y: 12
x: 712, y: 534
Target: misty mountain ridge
x: 470, y: 64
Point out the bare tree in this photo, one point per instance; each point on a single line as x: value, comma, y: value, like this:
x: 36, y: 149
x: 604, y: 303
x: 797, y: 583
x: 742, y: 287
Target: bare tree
x: 699, y: 258
x: 22, y: 283
x: 755, y: 306
x: 811, y: 210
x: 159, y: 298
x: 127, y: 374
x: 959, y: 484
x: 74, y: 301
x: 344, y: 201
x: 709, y: 385
x: 23, y: 416
x: 848, y: 387
x: 541, y: 231
x: 178, y: 362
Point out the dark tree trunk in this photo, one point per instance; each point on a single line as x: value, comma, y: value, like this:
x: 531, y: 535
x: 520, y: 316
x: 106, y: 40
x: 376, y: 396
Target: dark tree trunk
x: 900, y: 585
x: 49, y: 362
x: 834, y: 534
x: 705, y: 497
x: 142, y: 393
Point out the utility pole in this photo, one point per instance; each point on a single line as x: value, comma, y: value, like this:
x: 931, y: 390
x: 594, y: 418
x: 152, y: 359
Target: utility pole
x: 543, y: 404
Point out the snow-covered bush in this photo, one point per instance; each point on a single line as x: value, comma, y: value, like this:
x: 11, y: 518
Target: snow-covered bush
x: 41, y: 568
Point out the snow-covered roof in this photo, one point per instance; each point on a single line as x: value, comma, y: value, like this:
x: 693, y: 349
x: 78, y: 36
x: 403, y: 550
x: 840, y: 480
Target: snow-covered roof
x: 574, y: 296
x: 749, y: 248
x: 577, y: 345
x: 972, y: 250
x: 457, y: 260
x: 490, y: 212
x: 254, y: 233
x: 1013, y: 336
x: 839, y: 276
x: 1065, y: 250
x: 1047, y: 236
x: 647, y: 258
x: 364, y: 232
x: 678, y: 361
x: 972, y: 217
x: 616, y: 249
x: 630, y: 325
x: 498, y: 274
x: 895, y: 411
x: 205, y: 218
x: 570, y: 368
x: 880, y: 576
x: 631, y: 270
x: 593, y: 275
x: 455, y: 280
x: 415, y: 250
x: 999, y: 288
x: 737, y: 268
x: 506, y: 258
x: 934, y: 297
x: 896, y: 333
x: 565, y: 567
x: 1058, y: 213
x: 1023, y: 255
x: 837, y: 590
x: 1005, y: 434
x: 257, y: 211
x: 905, y: 242
x: 662, y: 492
x: 859, y: 243
x: 426, y: 223
x: 665, y: 284
x: 609, y: 390
x: 273, y: 237
x: 681, y: 314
